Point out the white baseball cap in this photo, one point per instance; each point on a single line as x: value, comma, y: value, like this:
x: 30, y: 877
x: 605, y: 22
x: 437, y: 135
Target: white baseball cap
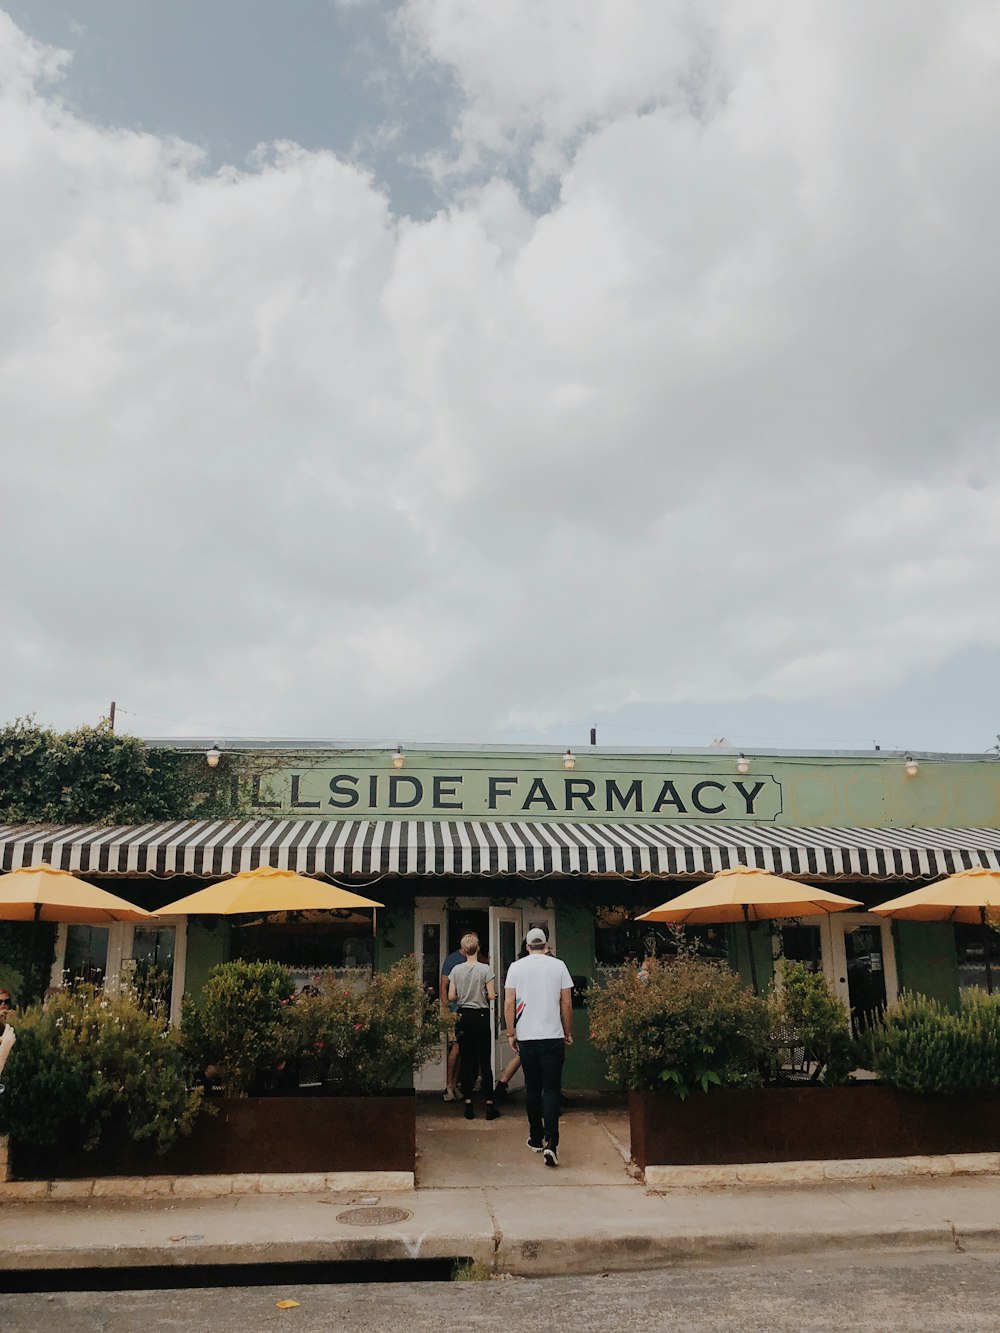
x: 535, y: 936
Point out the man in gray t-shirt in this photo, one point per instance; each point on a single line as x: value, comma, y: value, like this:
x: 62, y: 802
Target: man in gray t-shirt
x: 472, y: 986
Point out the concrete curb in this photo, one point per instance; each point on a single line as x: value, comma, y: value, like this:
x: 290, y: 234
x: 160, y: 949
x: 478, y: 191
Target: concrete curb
x: 546, y: 1256
x: 204, y: 1187
x: 661, y: 1178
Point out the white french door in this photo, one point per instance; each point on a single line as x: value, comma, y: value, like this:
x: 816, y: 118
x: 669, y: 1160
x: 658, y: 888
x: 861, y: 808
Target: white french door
x: 113, y: 953
x: 860, y: 961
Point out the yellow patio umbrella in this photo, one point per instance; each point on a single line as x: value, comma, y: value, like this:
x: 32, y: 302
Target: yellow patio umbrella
x: 744, y: 894
x: 266, y: 889
x: 966, y: 896
x: 43, y: 893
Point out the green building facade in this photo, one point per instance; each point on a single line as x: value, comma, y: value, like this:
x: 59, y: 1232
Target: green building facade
x: 498, y: 840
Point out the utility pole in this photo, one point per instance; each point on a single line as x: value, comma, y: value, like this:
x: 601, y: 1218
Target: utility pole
x: 593, y: 735
x: 111, y: 716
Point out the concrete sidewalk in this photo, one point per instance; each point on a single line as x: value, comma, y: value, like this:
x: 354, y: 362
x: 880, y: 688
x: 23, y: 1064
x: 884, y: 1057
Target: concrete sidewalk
x: 528, y: 1230
x: 481, y: 1194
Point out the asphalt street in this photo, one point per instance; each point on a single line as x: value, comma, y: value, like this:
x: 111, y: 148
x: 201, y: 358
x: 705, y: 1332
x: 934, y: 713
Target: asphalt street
x: 927, y: 1291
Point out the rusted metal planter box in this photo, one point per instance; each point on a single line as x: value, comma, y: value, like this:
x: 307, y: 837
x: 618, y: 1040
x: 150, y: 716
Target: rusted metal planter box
x: 253, y: 1135
x: 795, y: 1124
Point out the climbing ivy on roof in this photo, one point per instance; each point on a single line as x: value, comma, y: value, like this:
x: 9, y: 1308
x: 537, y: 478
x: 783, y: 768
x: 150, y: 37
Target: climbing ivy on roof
x: 96, y: 776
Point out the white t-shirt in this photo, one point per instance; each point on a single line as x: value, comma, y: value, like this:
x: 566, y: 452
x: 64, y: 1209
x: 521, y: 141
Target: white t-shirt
x: 538, y: 982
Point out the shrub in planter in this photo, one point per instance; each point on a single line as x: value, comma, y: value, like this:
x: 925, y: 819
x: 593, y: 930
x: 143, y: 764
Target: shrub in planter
x: 241, y: 1027
x: 368, y: 1041
x: 93, y: 1068
x: 921, y: 1047
x: 685, y: 1024
x: 807, y: 1016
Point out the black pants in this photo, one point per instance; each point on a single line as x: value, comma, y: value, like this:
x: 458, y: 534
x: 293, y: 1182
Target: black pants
x: 474, y: 1032
x: 542, y: 1066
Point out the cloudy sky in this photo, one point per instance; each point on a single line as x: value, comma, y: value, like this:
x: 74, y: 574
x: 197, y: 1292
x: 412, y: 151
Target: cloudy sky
x: 439, y: 370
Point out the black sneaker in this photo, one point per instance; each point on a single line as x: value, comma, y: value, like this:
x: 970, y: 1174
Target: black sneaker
x: 535, y: 1147
x: 470, y: 1111
x: 550, y: 1156
x: 501, y: 1089
x: 491, y: 1111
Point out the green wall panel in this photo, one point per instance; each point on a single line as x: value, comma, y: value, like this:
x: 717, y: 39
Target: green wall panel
x: 585, y: 1066
x: 393, y: 935
x: 207, y: 944
x: 739, y: 957
x: 925, y: 959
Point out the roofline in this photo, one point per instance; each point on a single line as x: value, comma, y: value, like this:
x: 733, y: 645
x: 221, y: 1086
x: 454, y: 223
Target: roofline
x: 298, y: 745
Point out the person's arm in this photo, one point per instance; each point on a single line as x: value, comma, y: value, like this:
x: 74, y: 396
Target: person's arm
x: 491, y: 990
x: 444, y: 988
x: 452, y: 989
x: 509, y: 1011
x: 566, y: 1014
x: 6, y: 1044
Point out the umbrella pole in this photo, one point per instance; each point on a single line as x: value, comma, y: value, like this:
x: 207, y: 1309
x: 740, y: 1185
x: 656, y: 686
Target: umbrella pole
x: 987, y: 930
x: 32, y: 949
x: 753, y: 961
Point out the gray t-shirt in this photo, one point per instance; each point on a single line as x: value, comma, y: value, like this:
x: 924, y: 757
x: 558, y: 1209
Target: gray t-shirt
x: 470, y: 984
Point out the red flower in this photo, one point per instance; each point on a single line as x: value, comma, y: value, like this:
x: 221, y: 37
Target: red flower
x: 358, y: 1027
x: 318, y: 1045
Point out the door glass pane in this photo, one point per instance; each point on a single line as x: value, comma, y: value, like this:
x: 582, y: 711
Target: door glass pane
x: 801, y: 944
x: 153, y: 962
x: 971, y: 943
x: 865, y: 973
x: 86, y: 954
x: 509, y: 945
x: 430, y: 952
x: 508, y: 949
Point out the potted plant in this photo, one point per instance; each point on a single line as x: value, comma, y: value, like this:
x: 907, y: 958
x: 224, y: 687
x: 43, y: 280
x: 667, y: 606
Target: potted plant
x: 250, y: 1038
x: 94, y: 1073
x: 706, y: 1066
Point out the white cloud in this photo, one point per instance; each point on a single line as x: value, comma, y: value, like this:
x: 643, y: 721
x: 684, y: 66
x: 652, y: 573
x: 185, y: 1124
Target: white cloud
x: 722, y: 422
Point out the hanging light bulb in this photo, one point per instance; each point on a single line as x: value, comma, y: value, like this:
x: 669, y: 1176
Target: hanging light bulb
x: 569, y: 759
x: 213, y: 756
x: 743, y: 764
x: 912, y: 767
x: 398, y: 759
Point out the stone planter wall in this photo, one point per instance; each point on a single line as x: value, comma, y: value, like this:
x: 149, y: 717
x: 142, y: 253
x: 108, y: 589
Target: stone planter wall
x: 254, y: 1136
x: 797, y: 1124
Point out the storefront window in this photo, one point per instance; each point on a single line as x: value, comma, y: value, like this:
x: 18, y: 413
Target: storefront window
x: 619, y: 938
x: 801, y: 944
x: 86, y: 954
x: 309, y: 943
x: 152, y: 964
x: 970, y: 949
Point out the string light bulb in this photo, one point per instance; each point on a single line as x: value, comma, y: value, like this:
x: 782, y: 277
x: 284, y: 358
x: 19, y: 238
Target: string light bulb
x: 398, y: 759
x: 743, y: 764
x: 912, y: 767
x: 569, y: 759
x: 213, y: 756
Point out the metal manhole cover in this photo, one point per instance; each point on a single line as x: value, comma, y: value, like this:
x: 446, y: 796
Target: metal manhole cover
x: 373, y: 1217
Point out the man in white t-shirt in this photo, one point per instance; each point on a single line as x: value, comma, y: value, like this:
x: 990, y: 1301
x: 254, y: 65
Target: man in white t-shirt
x: 538, y: 1016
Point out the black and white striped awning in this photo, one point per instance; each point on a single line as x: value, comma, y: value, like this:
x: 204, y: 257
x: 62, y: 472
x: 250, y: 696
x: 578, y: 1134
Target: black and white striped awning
x: 212, y: 849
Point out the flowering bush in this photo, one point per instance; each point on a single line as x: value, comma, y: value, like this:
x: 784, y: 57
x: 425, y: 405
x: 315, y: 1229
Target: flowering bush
x: 93, y: 1068
x: 241, y: 1028
x: 685, y: 1024
x: 368, y: 1041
